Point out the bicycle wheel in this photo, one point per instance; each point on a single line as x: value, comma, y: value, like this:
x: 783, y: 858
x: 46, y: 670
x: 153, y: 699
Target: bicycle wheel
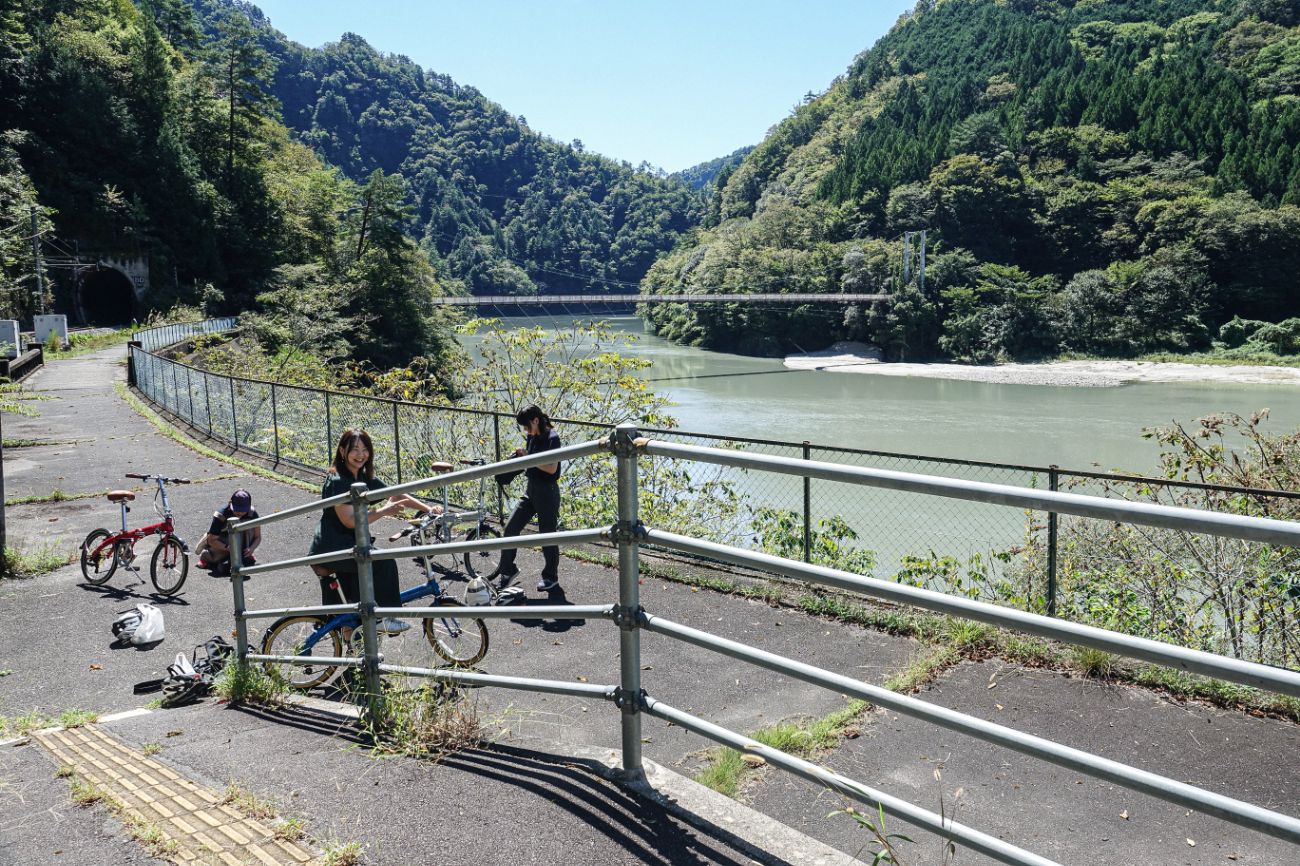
x: 286, y: 637
x: 460, y: 641
x: 482, y: 563
x: 97, y: 566
x: 169, y: 565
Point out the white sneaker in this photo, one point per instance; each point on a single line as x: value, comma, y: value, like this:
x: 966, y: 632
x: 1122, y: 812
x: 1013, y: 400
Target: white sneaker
x: 392, y: 626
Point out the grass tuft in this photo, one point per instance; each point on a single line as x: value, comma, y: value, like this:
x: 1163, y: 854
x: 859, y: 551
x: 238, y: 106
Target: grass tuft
x: 342, y: 854
x: 22, y: 563
x: 247, y: 803
x: 249, y: 684
x: 77, y: 718
x: 1094, y: 662
x: 19, y: 726
x: 428, y: 722
x: 83, y: 793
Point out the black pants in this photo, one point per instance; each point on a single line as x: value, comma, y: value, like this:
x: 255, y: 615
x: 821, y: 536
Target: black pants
x: 388, y: 591
x: 543, y: 500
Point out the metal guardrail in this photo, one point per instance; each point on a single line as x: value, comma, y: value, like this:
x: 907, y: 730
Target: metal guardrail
x: 628, y: 534
x: 1039, y: 559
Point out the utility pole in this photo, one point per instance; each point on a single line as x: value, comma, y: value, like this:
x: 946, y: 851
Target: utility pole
x: 36, y: 256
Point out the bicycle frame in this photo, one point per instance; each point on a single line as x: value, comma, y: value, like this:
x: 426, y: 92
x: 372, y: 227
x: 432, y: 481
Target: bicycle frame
x: 164, y: 527
x: 445, y: 524
x: 351, y: 620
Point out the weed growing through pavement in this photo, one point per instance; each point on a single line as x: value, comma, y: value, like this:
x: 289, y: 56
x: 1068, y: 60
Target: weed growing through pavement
x: 427, y: 722
x: 249, y: 684
x: 886, y: 843
x: 342, y: 854
x: 83, y: 793
x: 290, y: 829
x: 77, y: 718
x: 726, y: 769
x: 150, y: 749
x: 247, y: 803
x: 19, y: 726
x: 151, y: 836
x: 20, y: 562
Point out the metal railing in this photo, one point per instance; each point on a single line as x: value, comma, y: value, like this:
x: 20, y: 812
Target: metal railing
x: 1038, y: 559
x: 628, y: 534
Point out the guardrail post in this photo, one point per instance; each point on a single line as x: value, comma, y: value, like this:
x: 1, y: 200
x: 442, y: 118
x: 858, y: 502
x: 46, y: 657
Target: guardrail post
x: 627, y: 534
x: 237, y: 587
x: 1053, y: 481
x: 275, y: 427
x: 496, y: 455
x: 807, y: 506
x: 366, y: 584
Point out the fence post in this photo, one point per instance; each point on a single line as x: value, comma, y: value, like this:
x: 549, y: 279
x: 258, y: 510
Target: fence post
x: 496, y: 455
x: 397, y: 443
x: 189, y: 392
x: 176, y: 390
x: 807, y: 506
x: 627, y: 533
x: 1053, y: 480
x: 366, y: 583
x: 130, y: 363
x: 207, y: 398
x: 237, y: 587
x: 275, y: 426
x: 234, y: 418
x: 329, y: 432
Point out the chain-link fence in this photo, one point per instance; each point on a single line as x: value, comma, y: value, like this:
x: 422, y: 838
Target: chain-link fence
x: 1225, y: 596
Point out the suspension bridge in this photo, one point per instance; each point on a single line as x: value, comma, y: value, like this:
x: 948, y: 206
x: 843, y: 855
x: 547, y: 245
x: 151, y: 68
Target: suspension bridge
x: 755, y: 298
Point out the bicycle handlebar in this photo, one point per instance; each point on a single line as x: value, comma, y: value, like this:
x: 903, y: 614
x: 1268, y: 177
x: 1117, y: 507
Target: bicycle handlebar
x: 162, y: 478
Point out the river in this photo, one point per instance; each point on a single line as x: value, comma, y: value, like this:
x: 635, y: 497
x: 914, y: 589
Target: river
x: 736, y: 395
x: 1074, y: 427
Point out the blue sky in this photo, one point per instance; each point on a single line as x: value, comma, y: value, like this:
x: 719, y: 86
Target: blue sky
x: 670, y: 82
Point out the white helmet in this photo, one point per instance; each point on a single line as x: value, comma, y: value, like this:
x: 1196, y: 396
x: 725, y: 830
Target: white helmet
x: 141, y: 625
x: 477, y: 593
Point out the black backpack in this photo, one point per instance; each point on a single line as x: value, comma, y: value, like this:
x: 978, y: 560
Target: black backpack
x: 189, y: 679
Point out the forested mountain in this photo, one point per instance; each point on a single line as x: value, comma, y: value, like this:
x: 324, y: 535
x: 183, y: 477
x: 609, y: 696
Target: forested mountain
x: 1100, y: 176
x: 704, y: 174
x: 129, y: 132
x: 501, y: 207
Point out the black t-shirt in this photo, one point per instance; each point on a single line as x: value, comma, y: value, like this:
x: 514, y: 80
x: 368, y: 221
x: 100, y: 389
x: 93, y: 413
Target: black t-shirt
x: 220, y: 523
x: 548, y: 440
x: 331, y: 534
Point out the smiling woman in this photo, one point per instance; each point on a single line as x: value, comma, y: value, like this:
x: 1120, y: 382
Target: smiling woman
x: 354, y: 460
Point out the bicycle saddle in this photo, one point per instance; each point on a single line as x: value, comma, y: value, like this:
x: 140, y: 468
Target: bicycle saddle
x: 440, y: 466
x: 120, y: 496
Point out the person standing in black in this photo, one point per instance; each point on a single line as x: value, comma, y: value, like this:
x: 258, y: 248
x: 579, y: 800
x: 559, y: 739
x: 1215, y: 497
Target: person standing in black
x: 542, y: 499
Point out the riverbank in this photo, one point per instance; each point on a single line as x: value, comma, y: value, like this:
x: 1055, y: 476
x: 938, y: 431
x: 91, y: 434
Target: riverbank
x: 848, y: 357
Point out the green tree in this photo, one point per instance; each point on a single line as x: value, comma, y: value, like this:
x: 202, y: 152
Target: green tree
x: 243, y: 70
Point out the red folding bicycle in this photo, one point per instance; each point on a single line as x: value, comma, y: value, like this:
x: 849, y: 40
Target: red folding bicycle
x: 103, y: 551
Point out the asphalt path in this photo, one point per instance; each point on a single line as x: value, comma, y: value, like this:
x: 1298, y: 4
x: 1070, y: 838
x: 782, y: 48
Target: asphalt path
x: 60, y: 659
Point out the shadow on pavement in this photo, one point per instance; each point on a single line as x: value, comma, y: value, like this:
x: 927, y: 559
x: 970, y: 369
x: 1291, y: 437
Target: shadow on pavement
x: 639, y: 826
x: 554, y: 597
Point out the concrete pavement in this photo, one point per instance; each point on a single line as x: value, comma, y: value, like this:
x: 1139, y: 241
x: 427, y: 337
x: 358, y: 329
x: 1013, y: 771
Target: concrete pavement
x: 535, y: 805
